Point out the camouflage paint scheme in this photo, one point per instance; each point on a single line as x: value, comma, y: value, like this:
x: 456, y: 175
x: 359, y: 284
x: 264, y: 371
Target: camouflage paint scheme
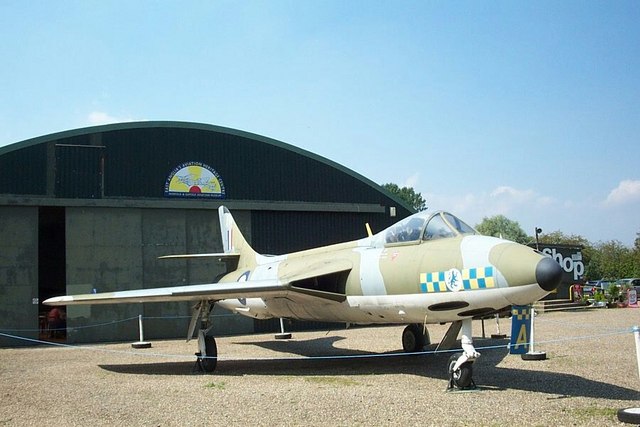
x: 428, y: 268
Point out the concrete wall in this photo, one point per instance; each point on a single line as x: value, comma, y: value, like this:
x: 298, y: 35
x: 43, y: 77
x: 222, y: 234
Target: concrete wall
x: 111, y: 249
x: 18, y: 273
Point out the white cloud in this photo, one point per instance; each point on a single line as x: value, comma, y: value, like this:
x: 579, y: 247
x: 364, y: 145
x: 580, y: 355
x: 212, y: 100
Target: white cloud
x: 412, y: 181
x: 531, y: 209
x: 628, y: 191
x: 512, y: 195
x: 520, y: 205
x: 96, y: 118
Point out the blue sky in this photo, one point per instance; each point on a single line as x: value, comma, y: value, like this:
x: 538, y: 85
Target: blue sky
x: 530, y: 110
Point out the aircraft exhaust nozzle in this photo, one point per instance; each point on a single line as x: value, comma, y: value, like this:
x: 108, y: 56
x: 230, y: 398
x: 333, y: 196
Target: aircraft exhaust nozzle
x: 548, y: 274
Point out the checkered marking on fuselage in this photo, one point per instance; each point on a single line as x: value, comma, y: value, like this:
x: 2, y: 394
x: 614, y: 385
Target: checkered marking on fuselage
x: 521, y: 314
x: 472, y: 278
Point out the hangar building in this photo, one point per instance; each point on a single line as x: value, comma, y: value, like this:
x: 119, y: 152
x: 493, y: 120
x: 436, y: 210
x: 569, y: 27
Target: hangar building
x: 91, y: 210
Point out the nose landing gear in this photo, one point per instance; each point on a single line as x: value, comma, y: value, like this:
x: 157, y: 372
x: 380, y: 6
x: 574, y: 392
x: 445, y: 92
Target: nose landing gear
x: 460, y: 378
x: 460, y: 366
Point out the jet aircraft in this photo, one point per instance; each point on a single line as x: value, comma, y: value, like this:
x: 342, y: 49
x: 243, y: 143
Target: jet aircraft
x: 428, y: 268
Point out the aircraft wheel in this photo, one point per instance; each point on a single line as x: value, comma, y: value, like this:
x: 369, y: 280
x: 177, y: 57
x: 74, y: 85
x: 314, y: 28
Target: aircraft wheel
x: 413, y: 340
x: 462, y: 378
x: 209, y: 363
x: 629, y: 415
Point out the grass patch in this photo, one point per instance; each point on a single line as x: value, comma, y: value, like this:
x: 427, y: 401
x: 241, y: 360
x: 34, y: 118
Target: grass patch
x: 332, y: 381
x: 217, y: 386
x: 595, y: 412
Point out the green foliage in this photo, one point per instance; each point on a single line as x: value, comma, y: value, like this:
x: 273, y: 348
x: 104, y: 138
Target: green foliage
x: 408, y: 195
x: 613, y: 260
x: 559, y: 238
x: 499, y: 225
x: 599, y: 297
x: 614, y: 293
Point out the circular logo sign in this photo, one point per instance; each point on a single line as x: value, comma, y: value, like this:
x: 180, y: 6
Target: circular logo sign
x: 453, y: 280
x: 194, y: 179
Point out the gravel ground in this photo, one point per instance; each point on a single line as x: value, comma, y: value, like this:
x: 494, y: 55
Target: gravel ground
x: 261, y: 381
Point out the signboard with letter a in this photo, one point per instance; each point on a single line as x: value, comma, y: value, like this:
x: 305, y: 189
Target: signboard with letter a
x: 520, y: 329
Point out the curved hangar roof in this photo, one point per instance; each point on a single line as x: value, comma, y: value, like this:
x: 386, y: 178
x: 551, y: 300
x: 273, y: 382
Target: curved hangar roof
x: 178, y: 159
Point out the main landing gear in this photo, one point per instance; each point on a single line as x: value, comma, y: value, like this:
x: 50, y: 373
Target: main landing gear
x: 414, y: 338
x: 207, y: 355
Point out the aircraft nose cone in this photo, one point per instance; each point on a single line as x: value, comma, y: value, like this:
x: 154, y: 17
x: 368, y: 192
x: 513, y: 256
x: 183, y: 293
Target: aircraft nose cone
x: 548, y: 274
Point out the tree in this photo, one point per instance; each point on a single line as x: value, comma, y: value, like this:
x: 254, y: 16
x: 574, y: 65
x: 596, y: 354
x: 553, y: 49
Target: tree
x: 408, y: 195
x: 611, y: 260
x: 559, y: 238
x: 500, y: 225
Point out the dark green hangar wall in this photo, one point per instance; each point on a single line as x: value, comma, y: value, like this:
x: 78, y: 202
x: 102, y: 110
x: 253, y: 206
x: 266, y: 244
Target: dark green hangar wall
x: 134, y: 160
x: 93, y: 208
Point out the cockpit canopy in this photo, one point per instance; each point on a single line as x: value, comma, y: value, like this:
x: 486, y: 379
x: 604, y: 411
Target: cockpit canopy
x: 422, y: 226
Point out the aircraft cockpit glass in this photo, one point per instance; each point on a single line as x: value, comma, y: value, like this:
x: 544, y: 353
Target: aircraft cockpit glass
x: 443, y: 225
x: 422, y: 226
x: 405, y: 231
x: 458, y: 224
x: 437, y: 228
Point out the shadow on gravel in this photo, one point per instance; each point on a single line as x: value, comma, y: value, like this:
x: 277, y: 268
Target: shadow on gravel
x: 560, y: 385
x: 336, y: 361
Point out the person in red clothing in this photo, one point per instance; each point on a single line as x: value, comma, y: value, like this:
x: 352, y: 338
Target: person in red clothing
x: 57, y: 320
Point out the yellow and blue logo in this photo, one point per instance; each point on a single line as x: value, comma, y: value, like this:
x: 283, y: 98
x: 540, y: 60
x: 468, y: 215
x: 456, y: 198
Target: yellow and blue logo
x: 194, y: 179
x: 456, y: 280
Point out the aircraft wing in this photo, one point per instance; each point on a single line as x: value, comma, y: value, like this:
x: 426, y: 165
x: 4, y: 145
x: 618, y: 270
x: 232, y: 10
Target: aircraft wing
x: 209, y: 291
x: 190, y: 256
x: 218, y: 291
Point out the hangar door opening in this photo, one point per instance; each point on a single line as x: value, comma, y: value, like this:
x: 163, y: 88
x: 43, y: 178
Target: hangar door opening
x: 52, y: 262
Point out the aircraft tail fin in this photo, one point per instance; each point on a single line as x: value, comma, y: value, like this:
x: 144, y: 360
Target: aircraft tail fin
x: 233, y: 242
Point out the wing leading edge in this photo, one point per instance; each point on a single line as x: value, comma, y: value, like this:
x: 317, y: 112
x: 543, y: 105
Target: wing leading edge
x: 208, y: 291
x: 316, y: 280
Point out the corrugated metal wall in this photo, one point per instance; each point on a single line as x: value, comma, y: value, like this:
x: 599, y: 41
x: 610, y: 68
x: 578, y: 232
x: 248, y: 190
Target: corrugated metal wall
x: 24, y: 171
x: 79, y: 171
x: 138, y: 161
x: 283, y: 232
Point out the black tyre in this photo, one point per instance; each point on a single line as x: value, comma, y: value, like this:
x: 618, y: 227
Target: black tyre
x: 538, y: 355
x: 209, y: 363
x: 629, y: 415
x: 463, y: 377
x: 413, y: 340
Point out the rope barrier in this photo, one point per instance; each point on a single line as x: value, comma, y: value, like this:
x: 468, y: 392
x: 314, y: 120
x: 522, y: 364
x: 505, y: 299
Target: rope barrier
x: 629, y: 330
x: 98, y: 325
x: 113, y: 322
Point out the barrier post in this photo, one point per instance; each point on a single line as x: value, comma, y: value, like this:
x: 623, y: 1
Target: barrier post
x: 282, y: 335
x: 142, y: 343
x: 498, y: 334
x: 636, y: 333
x: 532, y: 354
